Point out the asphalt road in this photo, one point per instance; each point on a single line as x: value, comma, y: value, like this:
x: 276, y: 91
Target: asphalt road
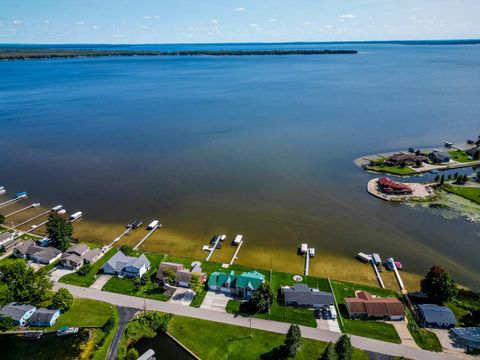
x: 126, y: 315
x: 363, y: 343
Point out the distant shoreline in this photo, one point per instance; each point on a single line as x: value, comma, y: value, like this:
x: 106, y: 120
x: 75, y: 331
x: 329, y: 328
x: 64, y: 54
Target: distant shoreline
x: 36, y: 53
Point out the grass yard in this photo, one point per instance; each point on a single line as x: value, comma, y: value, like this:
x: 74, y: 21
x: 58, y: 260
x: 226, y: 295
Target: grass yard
x: 222, y: 341
x: 89, y: 279
x: 460, y: 156
x: 424, y: 338
x: 394, y: 170
x: 149, y: 289
x: 368, y: 328
x: 278, y: 312
x: 86, y: 312
x: 470, y: 193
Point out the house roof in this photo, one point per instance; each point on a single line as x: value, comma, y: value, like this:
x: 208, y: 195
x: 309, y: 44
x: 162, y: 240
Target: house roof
x: 92, y: 254
x: 43, y: 315
x: 437, y: 314
x: 48, y: 253
x: 24, y: 247
x: 472, y: 150
x: 120, y: 261
x: 250, y: 279
x: 374, y: 306
x: 16, y: 311
x: 469, y: 334
x: 303, y: 295
x: 72, y: 258
x: 78, y: 249
x: 440, y: 155
x: 5, y: 236
x: 221, y: 279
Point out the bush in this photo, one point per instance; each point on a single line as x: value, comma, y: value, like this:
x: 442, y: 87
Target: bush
x: 132, y: 354
x: 62, y: 300
x: 84, y: 270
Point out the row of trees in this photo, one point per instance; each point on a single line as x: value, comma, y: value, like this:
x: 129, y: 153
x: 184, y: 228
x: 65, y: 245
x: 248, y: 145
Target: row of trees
x: 341, y: 350
x: 459, y: 179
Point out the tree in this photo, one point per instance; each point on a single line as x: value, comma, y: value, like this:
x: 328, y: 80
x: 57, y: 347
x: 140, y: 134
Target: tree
x: 23, y: 283
x: 84, y: 270
x: 169, y: 276
x: 449, y: 177
x: 59, y: 231
x: 437, y: 179
x: 127, y: 250
x: 292, y: 340
x: 262, y: 298
x: 343, y: 348
x: 62, y: 300
x: 132, y: 354
x: 108, y: 326
x: 476, y: 155
x: 6, y: 323
x: 438, y: 285
x: 2, y: 219
x: 442, y: 180
x: 329, y: 352
x: 196, y: 284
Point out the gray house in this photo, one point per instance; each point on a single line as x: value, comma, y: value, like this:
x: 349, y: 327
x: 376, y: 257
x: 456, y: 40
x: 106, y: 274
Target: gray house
x: 302, y: 295
x: 129, y: 266
x: 46, y: 256
x: 436, y: 316
x: 19, y: 313
x: 438, y: 157
x: 44, y: 317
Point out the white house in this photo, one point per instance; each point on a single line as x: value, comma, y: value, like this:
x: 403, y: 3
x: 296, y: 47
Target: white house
x: 129, y: 266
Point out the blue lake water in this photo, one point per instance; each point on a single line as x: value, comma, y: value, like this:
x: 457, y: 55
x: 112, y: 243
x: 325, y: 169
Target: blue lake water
x: 261, y: 145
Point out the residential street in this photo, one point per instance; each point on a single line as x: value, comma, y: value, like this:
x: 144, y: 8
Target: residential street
x: 267, y: 325
x: 126, y: 314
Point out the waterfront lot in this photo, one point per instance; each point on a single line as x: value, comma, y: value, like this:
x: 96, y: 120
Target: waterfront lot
x: 468, y: 192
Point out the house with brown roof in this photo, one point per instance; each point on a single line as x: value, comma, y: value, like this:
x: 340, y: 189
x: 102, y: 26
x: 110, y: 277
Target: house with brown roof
x: 183, y: 276
x: 367, y: 306
x: 405, y: 160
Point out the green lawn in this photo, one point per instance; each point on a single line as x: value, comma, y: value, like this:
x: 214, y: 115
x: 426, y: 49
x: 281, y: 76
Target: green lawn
x: 89, y: 279
x: 129, y: 286
x: 367, y: 328
x: 460, y: 156
x: 86, y: 312
x: 424, y: 338
x: 470, y: 193
x: 222, y: 341
x: 394, y: 170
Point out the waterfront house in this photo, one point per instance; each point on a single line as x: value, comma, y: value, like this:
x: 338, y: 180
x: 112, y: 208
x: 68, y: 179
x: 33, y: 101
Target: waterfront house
x: 25, y: 249
x: 79, y: 255
x: 405, y: 160
x: 436, y: 316
x: 44, y: 317
x: 46, y: 256
x: 183, y: 276
x: 19, y: 313
x: 243, y: 285
x: 439, y: 157
x: 129, y: 266
x: 467, y: 337
x: 391, y: 187
x: 367, y: 306
x: 302, y: 295
x: 471, y: 152
x: 5, y: 238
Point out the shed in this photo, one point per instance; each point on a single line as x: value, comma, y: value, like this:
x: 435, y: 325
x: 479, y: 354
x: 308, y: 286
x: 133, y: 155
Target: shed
x: 437, y: 316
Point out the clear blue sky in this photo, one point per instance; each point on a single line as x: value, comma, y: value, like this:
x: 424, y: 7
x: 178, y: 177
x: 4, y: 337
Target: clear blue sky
x: 184, y: 21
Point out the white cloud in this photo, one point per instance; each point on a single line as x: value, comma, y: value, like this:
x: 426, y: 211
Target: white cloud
x: 94, y: 27
x: 156, y: 17
x: 214, y: 21
x: 347, y: 16
x: 254, y: 25
x: 239, y: 9
x: 272, y: 20
x: 341, y: 20
x: 17, y: 22
x: 414, y: 9
x: 148, y: 17
x: 328, y: 26
x: 306, y: 23
x: 80, y: 23
x: 145, y: 27
x: 46, y: 22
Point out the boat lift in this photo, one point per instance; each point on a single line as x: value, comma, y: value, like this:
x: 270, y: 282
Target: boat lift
x: 19, y: 196
x: 152, y: 227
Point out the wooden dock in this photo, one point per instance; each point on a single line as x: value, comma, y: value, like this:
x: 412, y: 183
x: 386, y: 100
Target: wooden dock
x: 117, y: 239
x: 377, y: 274
x: 399, y: 279
x: 307, y: 262
x: 213, y: 248
x: 12, y: 201
x: 31, y: 219
x: 235, y: 257
x: 23, y: 209
x: 147, y: 236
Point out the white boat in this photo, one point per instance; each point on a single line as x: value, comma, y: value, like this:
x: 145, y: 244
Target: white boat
x: 237, y: 240
x: 57, y: 208
x: 364, y: 257
x: 304, y: 248
x: 2, y: 190
x: 152, y: 225
x: 311, y: 252
x: 76, y: 216
x: 36, y: 205
x: 65, y: 330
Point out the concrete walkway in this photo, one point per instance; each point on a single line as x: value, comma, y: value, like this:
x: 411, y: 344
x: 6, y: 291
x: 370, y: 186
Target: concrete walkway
x: 267, y: 325
x: 403, y: 333
x: 100, y: 282
x: 182, y: 296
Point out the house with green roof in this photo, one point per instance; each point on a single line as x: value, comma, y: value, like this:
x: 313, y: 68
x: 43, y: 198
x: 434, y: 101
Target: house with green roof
x: 243, y: 285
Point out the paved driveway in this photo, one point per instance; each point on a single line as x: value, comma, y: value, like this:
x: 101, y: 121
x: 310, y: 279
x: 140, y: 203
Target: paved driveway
x: 403, y: 333
x: 449, y: 345
x: 56, y: 274
x: 100, y: 282
x: 182, y: 296
x: 328, y: 324
x: 215, y: 301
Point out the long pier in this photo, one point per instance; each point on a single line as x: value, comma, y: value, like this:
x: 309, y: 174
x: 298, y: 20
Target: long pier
x: 399, y: 279
x: 12, y: 201
x: 234, y: 257
x: 147, y: 236
x: 377, y: 273
x: 307, y: 262
x: 213, y: 248
x: 23, y: 209
x: 118, y: 238
x: 30, y: 220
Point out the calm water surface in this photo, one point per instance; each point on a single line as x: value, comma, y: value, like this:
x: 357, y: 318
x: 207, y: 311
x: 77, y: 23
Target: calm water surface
x: 262, y: 146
